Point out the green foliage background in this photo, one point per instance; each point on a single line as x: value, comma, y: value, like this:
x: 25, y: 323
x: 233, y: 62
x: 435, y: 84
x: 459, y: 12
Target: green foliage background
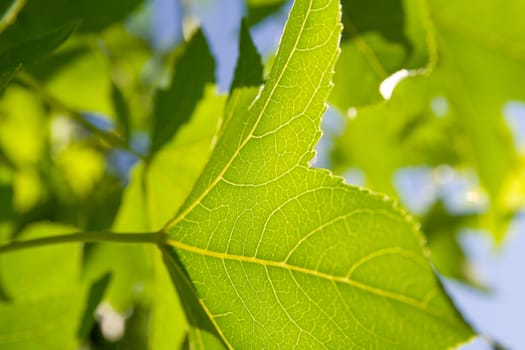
x: 252, y: 247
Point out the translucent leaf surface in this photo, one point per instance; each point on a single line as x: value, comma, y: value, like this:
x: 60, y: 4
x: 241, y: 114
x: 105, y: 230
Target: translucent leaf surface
x: 46, y: 300
x: 282, y: 255
x: 46, y: 323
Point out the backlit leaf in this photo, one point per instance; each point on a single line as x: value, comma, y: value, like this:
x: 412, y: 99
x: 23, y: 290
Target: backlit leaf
x: 280, y: 254
x: 46, y: 300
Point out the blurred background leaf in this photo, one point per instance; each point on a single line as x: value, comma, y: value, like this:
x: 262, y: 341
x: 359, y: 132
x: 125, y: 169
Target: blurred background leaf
x: 455, y: 81
x: 445, y: 140
x: 47, y: 316
x: 174, y: 105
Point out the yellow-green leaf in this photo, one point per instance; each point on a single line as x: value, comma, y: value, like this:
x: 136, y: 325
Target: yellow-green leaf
x: 277, y: 254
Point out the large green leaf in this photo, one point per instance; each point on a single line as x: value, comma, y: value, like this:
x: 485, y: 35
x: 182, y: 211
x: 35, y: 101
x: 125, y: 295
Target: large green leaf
x: 187, y: 155
x: 279, y: 254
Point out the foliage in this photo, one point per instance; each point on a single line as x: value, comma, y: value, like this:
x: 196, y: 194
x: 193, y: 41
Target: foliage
x: 240, y: 242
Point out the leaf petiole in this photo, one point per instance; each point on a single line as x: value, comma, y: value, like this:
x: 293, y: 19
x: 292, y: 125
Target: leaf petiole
x: 150, y: 237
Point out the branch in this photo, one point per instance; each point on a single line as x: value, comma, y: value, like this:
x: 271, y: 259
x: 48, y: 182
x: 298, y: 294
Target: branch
x: 151, y: 238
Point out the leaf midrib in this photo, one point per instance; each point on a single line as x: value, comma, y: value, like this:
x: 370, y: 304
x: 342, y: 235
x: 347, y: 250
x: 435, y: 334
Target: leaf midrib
x: 415, y: 303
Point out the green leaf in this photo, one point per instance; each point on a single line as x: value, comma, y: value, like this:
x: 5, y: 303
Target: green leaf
x: 25, y: 269
x: 46, y: 300
x: 280, y: 254
x: 97, y: 15
x: 202, y: 334
x: 46, y: 323
x: 488, y: 44
x: 249, y: 69
x: 380, y: 37
x: 173, y: 171
x: 95, y: 295
x: 387, y: 17
x: 403, y: 131
x: 41, y: 26
x: 246, y: 81
x: 474, y: 125
x: 258, y: 10
x: 174, y: 106
x: 155, y: 192
x: 43, y: 16
x: 50, y: 66
x: 131, y: 269
x: 441, y: 228
x: 121, y: 110
x: 169, y: 178
x: 12, y: 57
